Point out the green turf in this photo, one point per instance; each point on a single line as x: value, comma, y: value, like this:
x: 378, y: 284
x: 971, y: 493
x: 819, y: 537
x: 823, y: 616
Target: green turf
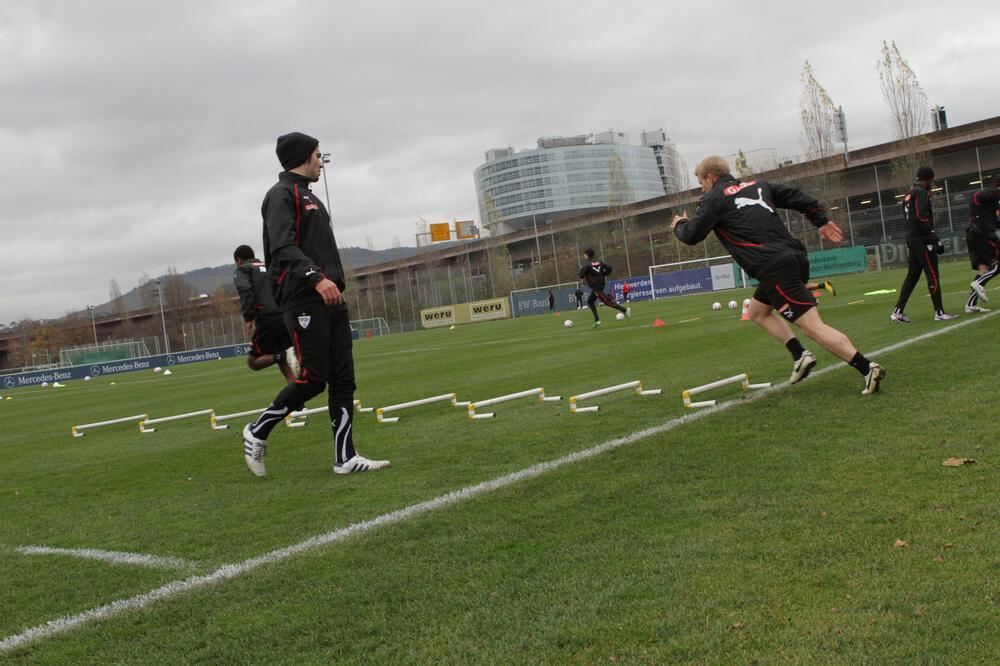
x: 761, y: 533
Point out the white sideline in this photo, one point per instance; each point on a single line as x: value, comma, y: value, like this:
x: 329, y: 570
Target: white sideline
x: 227, y: 571
x: 115, y: 557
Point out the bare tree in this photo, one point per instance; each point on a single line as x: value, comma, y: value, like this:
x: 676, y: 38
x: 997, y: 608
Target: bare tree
x: 620, y: 195
x: 908, y: 107
x: 909, y: 111
x: 742, y: 166
x: 677, y: 168
x: 818, y: 115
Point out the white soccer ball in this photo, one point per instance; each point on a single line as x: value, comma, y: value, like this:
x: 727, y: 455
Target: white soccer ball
x: 620, y: 316
x: 45, y: 384
x: 87, y: 378
x: 717, y: 306
x: 157, y: 369
x: 746, y: 302
x: 732, y: 305
x: 568, y: 323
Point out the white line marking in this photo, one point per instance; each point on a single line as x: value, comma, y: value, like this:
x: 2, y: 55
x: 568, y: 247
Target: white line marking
x: 135, y: 559
x: 228, y: 571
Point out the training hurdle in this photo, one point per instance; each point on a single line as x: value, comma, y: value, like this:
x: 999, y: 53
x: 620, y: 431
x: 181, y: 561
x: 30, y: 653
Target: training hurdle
x: 473, y: 406
x: 139, y: 418
x: 226, y: 417
x: 304, y: 414
x: 177, y: 417
x: 741, y: 378
x: 636, y: 385
x: 416, y: 403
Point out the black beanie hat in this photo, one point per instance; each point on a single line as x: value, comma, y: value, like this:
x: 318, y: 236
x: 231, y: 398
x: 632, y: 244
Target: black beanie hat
x: 925, y: 173
x: 295, y: 148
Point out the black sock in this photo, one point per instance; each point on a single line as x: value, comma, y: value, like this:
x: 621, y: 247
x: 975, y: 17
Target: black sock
x: 796, y: 348
x: 860, y: 363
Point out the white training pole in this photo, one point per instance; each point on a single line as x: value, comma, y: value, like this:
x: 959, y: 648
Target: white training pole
x: 177, y: 417
x: 742, y: 379
x: 414, y: 403
x: 636, y: 385
x: 540, y: 392
x: 125, y: 419
x: 226, y: 417
x: 357, y: 405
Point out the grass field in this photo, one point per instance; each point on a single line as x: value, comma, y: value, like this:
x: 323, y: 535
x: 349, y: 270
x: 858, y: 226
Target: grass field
x: 770, y: 528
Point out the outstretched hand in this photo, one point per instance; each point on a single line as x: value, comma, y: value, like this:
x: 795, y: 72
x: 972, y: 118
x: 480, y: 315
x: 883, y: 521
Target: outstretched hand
x: 831, y: 232
x: 677, y: 219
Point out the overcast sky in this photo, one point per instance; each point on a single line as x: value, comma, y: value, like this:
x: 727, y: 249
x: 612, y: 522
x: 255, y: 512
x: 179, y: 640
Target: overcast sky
x: 140, y: 135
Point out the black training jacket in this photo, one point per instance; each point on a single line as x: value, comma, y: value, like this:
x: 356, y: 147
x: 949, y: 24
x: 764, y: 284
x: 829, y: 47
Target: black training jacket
x: 594, y: 273
x: 983, y: 213
x: 299, y: 246
x: 254, y: 288
x: 919, y: 215
x: 744, y: 218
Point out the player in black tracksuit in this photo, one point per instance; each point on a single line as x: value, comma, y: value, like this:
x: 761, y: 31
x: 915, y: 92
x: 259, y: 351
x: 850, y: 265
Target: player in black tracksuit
x: 983, y: 243
x: 594, y: 274
x: 307, y: 280
x: 743, y: 217
x: 923, y: 248
x: 270, y: 340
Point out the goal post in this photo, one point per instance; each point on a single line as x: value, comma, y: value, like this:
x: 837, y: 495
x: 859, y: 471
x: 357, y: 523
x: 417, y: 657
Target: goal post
x: 696, y: 275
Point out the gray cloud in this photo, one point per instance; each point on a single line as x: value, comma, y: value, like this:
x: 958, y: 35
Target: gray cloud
x: 140, y: 135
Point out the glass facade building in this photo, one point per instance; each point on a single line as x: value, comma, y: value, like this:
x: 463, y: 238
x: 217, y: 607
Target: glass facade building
x: 562, y: 178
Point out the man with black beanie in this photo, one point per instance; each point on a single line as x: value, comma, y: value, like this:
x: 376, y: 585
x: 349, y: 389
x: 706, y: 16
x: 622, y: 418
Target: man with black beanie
x: 307, y: 279
x: 924, y: 247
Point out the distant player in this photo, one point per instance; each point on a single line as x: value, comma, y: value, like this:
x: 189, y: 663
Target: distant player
x: 578, y: 294
x: 983, y: 243
x: 744, y: 218
x: 270, y: 343
x: 923, y: 247
x: 594, y: 274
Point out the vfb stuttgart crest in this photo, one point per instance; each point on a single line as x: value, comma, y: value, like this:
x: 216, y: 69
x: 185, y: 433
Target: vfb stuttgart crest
x: 304, y: 320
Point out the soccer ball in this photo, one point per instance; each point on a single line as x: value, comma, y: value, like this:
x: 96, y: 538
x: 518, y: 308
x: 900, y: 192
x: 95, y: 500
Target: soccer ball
x: 746, y: 302
x: 157, y: 369
x: 568, y: 323
x: 717, y: 306
x: 732, y: 305
x: 620, y: 316
x: 87, y: 378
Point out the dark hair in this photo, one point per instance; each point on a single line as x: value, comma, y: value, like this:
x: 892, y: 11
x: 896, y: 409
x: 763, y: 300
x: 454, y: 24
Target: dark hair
x: 925, y: 173
x: 588, y: 253
x: 244, y: 252
x: 996, y: 181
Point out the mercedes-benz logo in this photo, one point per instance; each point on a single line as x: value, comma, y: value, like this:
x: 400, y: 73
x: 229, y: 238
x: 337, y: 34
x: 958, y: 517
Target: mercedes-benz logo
x: 171, y: 360
x: 9, y: 382
x: 95, y: 370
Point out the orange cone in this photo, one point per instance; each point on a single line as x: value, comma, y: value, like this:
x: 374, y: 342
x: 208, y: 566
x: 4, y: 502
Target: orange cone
x: 746, y: 313
x: 658, y: 322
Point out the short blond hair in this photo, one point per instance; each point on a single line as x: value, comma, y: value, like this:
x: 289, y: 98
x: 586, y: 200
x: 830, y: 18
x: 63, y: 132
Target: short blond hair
x: 713, y: 165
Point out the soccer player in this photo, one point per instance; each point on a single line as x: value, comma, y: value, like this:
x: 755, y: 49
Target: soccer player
x: 594, y: 274
x: 923, y: 248
x: 983, y: 243
x: 743, y: 217
x: 270, y: 343
x: 307, y: 278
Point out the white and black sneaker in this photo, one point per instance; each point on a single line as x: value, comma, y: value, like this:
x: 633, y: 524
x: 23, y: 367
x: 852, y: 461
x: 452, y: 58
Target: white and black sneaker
x: 254, y: 451
x: 801, y: 367
x: 970, y: 309
x: 876, y: 373
x: 292, y: 360
x: 944, y: 316
x: 980, y: 291
x: 900, y: 317
x: 360, y: 464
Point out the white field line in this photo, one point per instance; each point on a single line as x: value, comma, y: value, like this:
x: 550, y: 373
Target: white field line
x: 228, y: 571
x: 114, y: 557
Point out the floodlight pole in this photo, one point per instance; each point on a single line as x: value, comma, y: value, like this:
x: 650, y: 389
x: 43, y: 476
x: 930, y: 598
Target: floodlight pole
x: 163, y: 320
x: 325, y: 157
x: 93, y: 324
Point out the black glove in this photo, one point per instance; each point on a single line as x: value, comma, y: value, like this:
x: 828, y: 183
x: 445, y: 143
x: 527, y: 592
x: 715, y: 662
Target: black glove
x: 940, y: 248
